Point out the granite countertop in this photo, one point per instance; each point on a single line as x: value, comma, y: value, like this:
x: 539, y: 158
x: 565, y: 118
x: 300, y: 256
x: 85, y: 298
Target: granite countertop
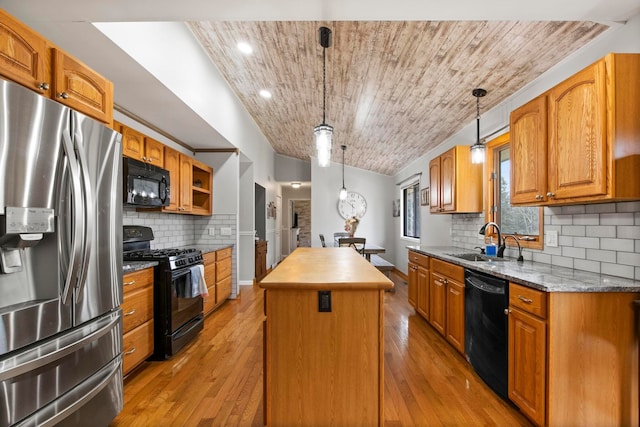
x: 131, y: 266
x: 545, y: 277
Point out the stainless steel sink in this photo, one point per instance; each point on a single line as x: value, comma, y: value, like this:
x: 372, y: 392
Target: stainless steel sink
x: 474, y: 256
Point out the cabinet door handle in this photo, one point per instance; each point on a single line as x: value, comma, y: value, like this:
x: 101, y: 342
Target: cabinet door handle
x: 43, y: 86
x: 126, y: 353
x: 133, y: 282
x: 506, y: 311
x: 550, y: 194
x: 129, y: 313
x: 63, y: 95
x: 144, y: 159
x: 525, y: 300
x: 539, y: 197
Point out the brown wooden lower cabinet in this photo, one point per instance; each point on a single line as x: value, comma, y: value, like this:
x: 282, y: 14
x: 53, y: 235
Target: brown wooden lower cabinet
x: 573, y: 357
x: 217, y: 274
x: 223, y: 275
x: 412, y: 293
x: 137, y: 318
x: 209, y: 261
x: 436, y: 291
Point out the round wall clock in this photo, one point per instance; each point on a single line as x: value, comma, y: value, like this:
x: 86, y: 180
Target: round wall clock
x: 354, y: 205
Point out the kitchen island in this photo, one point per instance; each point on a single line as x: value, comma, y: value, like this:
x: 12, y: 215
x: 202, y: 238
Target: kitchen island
x: 323, y: 339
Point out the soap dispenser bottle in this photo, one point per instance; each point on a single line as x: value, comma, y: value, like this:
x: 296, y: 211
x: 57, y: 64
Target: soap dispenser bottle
x: 491, y: 249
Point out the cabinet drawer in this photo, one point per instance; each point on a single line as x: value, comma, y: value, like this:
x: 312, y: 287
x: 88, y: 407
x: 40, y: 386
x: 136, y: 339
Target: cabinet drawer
x: 419, y: 259
x: 223, y: 254
x: 208, y: 258
x: 223, y: 269
x: 137, y: 307
x: 452, y: 271
x: 210, y: 274
x: 137, y: 279
x: 210, y: 301
x: 530, y: 300
x: 137, y: 345
x: 223, y: 290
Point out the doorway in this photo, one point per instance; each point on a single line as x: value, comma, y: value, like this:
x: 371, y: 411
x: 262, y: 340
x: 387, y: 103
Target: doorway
x: 260, y: 212
x: 301, y: 220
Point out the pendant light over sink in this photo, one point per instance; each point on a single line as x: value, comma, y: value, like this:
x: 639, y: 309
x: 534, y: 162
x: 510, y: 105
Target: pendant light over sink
x: 323, y: 132
x: 343, y: 190
x: 478, y: 149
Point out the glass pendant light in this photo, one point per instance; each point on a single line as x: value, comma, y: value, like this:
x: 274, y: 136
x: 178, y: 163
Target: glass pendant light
x: 323, y: 132
x: 343, y: 190
x: 478, y: 149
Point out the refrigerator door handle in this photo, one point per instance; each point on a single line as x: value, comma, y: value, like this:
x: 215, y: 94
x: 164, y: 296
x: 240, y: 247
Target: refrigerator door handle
x: 87, y: 214
x: 23, y: 366
x: 72, y: 273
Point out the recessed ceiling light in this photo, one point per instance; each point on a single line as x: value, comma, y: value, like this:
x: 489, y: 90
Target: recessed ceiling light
x: 296, y: 184
x: 265, y: 94
x: 245, y: 48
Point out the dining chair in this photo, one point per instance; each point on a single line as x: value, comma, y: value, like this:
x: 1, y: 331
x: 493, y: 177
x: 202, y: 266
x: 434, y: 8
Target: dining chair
x: 356, y: 243
x: 322, y: 241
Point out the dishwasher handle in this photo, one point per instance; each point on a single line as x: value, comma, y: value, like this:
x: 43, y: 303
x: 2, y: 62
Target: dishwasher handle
x: 485, y: 283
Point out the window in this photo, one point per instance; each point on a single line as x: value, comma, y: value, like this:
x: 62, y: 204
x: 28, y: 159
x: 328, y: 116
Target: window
x: 411, y: 211
x: 523, y: 222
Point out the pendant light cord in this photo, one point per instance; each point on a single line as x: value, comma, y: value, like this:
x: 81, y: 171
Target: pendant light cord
x: 324, y: 84
x: 344, y: 148
x: 478, y: 120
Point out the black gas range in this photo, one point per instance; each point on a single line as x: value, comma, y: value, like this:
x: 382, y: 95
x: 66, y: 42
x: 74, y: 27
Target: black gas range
x: 178, y: 316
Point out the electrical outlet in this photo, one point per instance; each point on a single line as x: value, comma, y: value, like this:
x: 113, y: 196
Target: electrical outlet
x: 212, y: 231
x: 225, y: 231
x: 551, y: 238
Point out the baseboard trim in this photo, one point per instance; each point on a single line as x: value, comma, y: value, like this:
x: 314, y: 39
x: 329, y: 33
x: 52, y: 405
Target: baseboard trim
x: 245, y: 282
x: 400, y: 274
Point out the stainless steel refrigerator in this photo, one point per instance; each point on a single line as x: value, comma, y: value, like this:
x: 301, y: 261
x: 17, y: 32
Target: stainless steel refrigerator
x: 60, y: 264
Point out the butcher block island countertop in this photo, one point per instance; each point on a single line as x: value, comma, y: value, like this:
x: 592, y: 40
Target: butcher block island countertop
x: 323, y: 340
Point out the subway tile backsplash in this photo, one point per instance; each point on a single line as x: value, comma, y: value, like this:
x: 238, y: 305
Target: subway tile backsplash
x: 600, y: 238
x: 173, y: 230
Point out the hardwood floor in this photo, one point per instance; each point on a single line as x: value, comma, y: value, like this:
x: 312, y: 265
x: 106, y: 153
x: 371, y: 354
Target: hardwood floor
x: 217, y: 380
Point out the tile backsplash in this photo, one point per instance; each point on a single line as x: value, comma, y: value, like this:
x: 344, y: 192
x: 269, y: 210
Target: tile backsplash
x: 600, y: 238
x: 173, y: 230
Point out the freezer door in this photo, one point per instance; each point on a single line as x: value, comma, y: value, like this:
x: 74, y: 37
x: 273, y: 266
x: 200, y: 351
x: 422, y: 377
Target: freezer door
x: 99, y: 286
x: 39, y: 384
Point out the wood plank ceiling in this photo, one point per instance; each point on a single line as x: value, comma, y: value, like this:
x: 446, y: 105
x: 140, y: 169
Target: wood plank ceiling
x: 395, y: 90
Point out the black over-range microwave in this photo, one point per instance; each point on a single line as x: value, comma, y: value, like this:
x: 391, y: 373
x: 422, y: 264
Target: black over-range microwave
x: 144, y: 185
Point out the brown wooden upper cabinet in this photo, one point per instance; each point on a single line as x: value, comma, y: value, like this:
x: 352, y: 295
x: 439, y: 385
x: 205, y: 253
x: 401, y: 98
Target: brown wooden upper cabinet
x: 140, y: 147
x: 32, y: 61
x: 23, y: 55
x: 455, y: 183
x: 79, y: 87
x: 578, y: 142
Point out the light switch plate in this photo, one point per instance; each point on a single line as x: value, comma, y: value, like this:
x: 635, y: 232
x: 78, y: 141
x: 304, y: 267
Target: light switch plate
x: 212, y: 231
x: 225, y: 231
x: 551, y: 238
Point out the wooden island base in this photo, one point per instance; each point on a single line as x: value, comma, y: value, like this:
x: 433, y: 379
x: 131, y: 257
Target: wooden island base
x: 324, y: 367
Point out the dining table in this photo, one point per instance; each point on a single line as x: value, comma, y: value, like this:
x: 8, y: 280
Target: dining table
x: 369, y: 249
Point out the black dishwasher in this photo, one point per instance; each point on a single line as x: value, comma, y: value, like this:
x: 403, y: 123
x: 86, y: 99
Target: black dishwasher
x: 486, y: 325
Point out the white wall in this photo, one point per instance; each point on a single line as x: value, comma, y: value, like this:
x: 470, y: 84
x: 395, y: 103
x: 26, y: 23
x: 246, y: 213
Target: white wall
x: 378, y: 190
x: 437, y: 229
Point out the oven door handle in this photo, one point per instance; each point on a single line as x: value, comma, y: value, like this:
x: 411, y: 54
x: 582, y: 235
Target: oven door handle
x: 187, y: 327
